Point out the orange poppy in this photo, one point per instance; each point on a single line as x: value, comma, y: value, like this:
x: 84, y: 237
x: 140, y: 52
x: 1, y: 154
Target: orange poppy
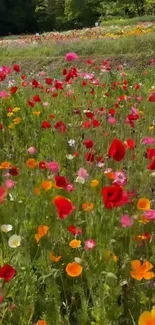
x: 109, y: 175
x: 31, y: 163
x: 74, y: 269
x: 5, y: 165
x: 143, y: 204
x: 17, y: 120
x: 37, y: 191
x: 46, y: 185
x: 94, y: 183
x: 87, y: 206
x: 37, y: 113
x: 141, y: 271
x: 42, y: 231
x: 75, y: 243
x: 54, y: 258
x: 41, y: 322
x: 147, y: 318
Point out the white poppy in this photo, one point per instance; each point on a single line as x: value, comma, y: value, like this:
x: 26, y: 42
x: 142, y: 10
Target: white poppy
x: 6, y: 228
x: 14, y: 241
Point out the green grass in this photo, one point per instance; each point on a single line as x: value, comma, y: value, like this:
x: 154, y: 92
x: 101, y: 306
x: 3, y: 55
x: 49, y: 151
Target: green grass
x: 127, y: 21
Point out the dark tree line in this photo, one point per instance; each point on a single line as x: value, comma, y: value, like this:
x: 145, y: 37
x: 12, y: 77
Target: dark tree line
x: 27, y: 16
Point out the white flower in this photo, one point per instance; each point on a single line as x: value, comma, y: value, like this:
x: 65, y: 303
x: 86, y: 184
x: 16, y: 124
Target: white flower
x: 6, y: 228
x: 69, y: 157
x: 14, y: 241
x: 71, y: 142
x: 80, y: 180
x: 78, y: 260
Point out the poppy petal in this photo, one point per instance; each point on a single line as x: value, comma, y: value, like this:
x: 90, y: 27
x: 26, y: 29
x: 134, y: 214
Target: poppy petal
x: 148, y: 275
x: 136, y: 265
x: 147, y: 266
x: 136, y: 275
x: 145, y: 318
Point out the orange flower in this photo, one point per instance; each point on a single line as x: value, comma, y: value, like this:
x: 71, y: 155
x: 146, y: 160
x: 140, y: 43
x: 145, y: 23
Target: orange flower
x: 5, y: 165
x: 42, y: 231
x: 37, y: 113
x: 141, y: 271
x: 109, y: 175
x: 41, y: 322
x: 147, y: 318
x: 111, y: 255
x: 143, y: 204
x: 17, y: 120
x: 54, y: 258
x: 46, y: 185
x: 74, y: 269
x: 37, y: 191
x: 87, y: 206
x: 75, y: 243
x: 31, y: 163
x: 94, y: 183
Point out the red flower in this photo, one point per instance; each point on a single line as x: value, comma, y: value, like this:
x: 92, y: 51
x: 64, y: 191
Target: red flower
x: 152, y: 97
x: 1, y: 126
x: 46, y: 125
x: 36, y: 98
x: 114, y: 196
x: 54, y: 95
x: 16, y: 68
x: 13, y: 90
x: 64, y: 72
x: 64, y: 207
x: 58, y: 84
x: 74, y: 230
x: 14, y: 171
x: 151, y: 166
x: 130, y: 144
x: 95, y: 123
x: 31, y: 103
x: 150, y: 153
x: 90, y: 115
x: 60, y: 126
x: 61, y: 181
x: 35, y: 83
x: 2, y: 75
x: 49, y: 81
x: 88, y: 144
x: 117, y: 150
x: 42, y: 165
x: 86, y: 125
x: 7, y: 272
x: 89, y: 157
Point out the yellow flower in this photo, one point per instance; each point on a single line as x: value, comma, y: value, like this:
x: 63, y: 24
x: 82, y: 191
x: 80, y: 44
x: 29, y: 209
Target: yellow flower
x: 9, y: 114
x: 36, y: 113
x: 16, y: 109
x: 151, y: 127
x: 17, y: 120
x: 94, y: 183
x: 75, y: 243
x: 11, y: 126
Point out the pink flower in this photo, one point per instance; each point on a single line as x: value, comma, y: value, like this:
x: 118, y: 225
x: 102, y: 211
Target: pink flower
x: 71, y: 56
x: 3, y: 94
x: 89, y: 244
x: 9, y: 183
x: 82, y: 173
x: 120, y: 178
x: 112, y: 120
x: 126, y: 221
x: 149, y: 214
x: 53, y: 167
x: 148, y: 140
x: 32, y: 150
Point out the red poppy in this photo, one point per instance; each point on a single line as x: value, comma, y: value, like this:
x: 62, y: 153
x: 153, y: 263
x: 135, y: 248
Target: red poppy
x: 151, y: 166
x: 49, y: 81
x: 89, y: 157
x: 74, y: 230
x: 61, y: 181
x: 96, y: 123
x: 1, y: 126
x: 2, y: 75
x: 114, y: 196
x: 58, y: 84
x: 13, y: 90
x: 88, y: 143
x: 35, y: 83
x: 64, y: 207
x: 46, y: 125
x: 16, y: 68
x: 7, y: 272
x: 31, y: 103
x: 37, y: 99
x: 90, y: 115
x: 150, y: 153
x: 14, y: 171
x: 86, y: 125
x: 54, y: 95
x: 152, y: 97
x: 117, y: 150
x: 130, y: 144
x: 112, y: 112
x: 23, y: 77
x: 3, y: 194
x: 60, y: 125
x: 84, y: 83
x: 42, y: 165
x: 133, y: 117
x: 64, y: 71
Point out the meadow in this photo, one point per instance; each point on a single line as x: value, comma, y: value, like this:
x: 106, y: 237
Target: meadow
x: 77, y: 177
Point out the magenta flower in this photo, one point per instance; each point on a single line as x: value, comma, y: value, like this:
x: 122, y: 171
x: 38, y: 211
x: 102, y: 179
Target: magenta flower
x: 112, y: 120
x: 89, y: 244
x: 53, y: 167
x: 148, y: 140
x: 126, y: 221
x: 71, y: 56
x: 120, y: 178
x: 32, y: 150
x: 82, y: 173
x: 9, y: 183
x: 149, y: 214
x: 3, y: 94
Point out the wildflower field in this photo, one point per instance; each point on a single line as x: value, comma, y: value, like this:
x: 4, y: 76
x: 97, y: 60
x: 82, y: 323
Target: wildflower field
x: 77, y: 179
